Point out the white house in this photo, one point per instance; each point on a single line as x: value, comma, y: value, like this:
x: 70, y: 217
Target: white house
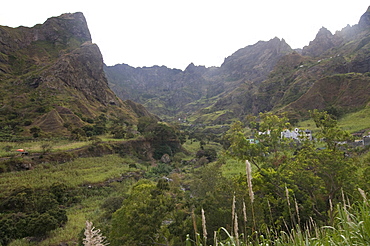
x: 297, y: 134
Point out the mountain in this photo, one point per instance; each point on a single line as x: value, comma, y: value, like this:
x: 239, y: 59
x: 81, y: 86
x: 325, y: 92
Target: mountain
x: 52, y: 80
x: 173, y: 92
x: 332, y: 73
x: 329, y: 73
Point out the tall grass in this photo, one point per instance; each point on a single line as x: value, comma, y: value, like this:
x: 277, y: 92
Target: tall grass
x: 9, y: 148
x: 75, y: 173
x: 351, y: 226
x: 356, y: 121
x: 351, y: 122
x: 71, y: 232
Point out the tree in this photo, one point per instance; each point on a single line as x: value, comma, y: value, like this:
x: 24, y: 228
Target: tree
x: 146, y: 124
x: 139, y: 219
x: 265, y: 141
x: 329, y: 133
x: 313, y: 176
x: 35, y: 131
x: 30, y: 213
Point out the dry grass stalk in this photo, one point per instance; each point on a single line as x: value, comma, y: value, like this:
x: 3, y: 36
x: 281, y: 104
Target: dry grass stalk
x: 244, y: 212
x: 363, y: 194
x: 345, y: 206
x: 249, y: 179
x: 268, y: 204
x: 287, y: 195
x: 93, y: 237
x: 331, y: 211
x: 288, y: 201
x: 344, y: 199
x: 297, y: 210
x: 204, y: 227
x: 248, y: 168
x: 233, y: 212
x: 194, y: 225
x: 236, y: 229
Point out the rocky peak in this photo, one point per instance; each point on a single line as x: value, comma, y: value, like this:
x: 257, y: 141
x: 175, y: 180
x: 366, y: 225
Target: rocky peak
x: 56, y: 68
x: 255, y: 61
x: 323, y: 41
x: 61, y: 30
x: 364, y: 22
x: 63, y: 27
x: 82, y: 69
x: 191, y: 68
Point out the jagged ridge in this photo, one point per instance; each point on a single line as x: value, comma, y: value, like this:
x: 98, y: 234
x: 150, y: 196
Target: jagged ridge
x: 262, y: 77
x: 52, y: 77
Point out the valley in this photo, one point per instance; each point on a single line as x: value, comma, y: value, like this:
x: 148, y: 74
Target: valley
x: 160, y: 156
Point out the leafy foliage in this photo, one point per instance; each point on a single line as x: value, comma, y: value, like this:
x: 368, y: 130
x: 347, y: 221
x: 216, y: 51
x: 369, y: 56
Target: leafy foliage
x: 311, y: 174
x: 165, y: 138
x: 139, y: 220
x: 32, y: 213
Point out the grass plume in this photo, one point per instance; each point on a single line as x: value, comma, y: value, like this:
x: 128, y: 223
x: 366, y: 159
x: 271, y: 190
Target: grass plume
x: 93, y: 237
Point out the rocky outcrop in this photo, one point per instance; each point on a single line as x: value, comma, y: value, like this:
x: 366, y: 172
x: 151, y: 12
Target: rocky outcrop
x: 328, y: 74
x: 52, y: 75
x: 67, y: 30
x: 81, y: 69
x: 175, y: 93
x: 323, y: 41
x: 364, y: 22
x: 254, y: 62
x: 345, y: 92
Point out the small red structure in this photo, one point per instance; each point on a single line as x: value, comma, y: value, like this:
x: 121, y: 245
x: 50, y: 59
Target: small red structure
x: 22, y: 151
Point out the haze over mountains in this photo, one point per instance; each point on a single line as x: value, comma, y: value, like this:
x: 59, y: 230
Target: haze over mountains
x: 53, y: 77
x: 329, y: 73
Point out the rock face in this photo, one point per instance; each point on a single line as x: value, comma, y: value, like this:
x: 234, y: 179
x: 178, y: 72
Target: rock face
x: 332, y: 74
x: 62, y: 31
x: 173, y: 93
x: 322, y: 42
x: 81, y: 69
x: 266, y: 76
x: 52, y: 75
x: 364, y: 22
x: 254, y: 62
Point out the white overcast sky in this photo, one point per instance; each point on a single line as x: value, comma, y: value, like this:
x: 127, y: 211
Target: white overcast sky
x: 175, y: 33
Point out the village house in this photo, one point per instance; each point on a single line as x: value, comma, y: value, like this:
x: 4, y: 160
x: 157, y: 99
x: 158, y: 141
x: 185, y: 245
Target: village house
x: 297, y: 134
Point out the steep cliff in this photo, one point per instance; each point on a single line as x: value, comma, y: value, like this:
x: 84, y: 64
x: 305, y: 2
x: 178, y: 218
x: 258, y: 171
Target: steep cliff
x: 331, y: 73
x: 52, y: 79
x: 174, y: 93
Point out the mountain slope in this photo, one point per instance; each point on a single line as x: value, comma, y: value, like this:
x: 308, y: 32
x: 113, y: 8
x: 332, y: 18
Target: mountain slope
x: 326, y: 77
x: 266, y: 76
x: 173, y: 93
x: 330, y: 74
x: 52, y: 79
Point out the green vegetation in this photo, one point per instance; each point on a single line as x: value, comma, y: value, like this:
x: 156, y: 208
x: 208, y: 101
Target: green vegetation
x: 79, y: 172
x: 352, y: 122
x: 72, y: 154
x: 294, y: 192
x: 29, y: 212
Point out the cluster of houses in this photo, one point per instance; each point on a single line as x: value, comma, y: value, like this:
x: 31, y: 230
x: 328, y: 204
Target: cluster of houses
x: 298, y: 134
x: 361, y: 142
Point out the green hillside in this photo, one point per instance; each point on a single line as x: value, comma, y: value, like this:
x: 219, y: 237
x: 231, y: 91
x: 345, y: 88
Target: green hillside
x: 271, y: 148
